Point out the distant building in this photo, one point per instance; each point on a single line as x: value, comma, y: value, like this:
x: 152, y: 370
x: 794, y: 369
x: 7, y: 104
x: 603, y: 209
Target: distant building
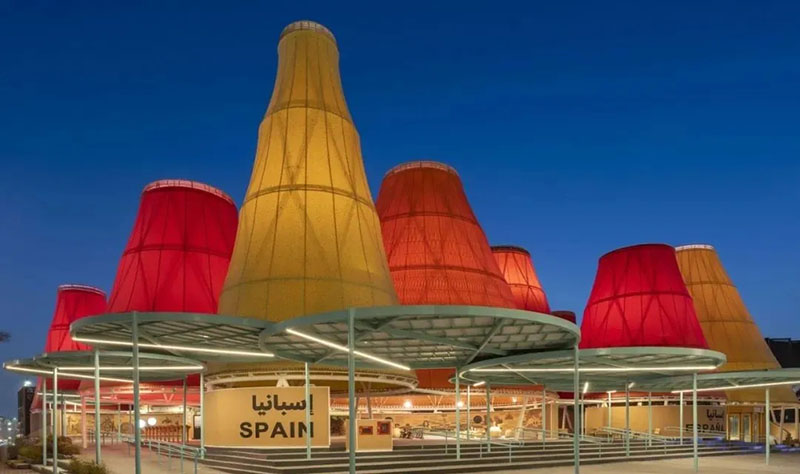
x: 24, y: 401
x: 786, y: 350
x: 8, y: 430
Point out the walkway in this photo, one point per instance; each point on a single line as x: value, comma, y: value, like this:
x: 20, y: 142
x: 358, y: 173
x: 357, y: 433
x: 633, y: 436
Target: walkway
x: 779, y: 463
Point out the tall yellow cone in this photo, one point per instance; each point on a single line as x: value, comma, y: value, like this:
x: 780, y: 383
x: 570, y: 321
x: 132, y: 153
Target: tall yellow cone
x: 726, y: 323
x: 309, y: 239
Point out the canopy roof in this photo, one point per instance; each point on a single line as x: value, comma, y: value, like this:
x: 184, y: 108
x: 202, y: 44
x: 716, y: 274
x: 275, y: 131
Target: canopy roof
x: 437, y: 251
x: 178, y: 252
x: 604, y: 369
x: 639, y: 299
x: 115, y: 366
x: 516, y: 267
x: 420, y: 336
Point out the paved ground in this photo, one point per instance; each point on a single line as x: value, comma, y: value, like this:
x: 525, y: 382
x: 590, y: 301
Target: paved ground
x: 783, y: 463
x: 117, y: 459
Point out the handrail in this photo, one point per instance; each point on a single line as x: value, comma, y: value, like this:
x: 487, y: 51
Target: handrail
x: 169, y: 448
x: 700, y: 433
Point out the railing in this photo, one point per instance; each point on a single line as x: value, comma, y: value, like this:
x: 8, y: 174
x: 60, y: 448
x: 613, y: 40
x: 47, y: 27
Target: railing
x: 599, y: 442
x: 650, y: 438
x: 169, y: 449
x: 702, y: 434
x: 104, y: 435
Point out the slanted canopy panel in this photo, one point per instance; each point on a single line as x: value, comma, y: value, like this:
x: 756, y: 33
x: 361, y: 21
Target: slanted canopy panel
x: 308, y: 239
x: 639, y: 299
x: 725, y: 320
x: 178, y: 253
x: 516, y: 266
x: 437, y: 251
x: 72, y: 303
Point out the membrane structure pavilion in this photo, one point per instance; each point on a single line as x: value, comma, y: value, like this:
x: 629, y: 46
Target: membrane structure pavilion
x: 313, y: 273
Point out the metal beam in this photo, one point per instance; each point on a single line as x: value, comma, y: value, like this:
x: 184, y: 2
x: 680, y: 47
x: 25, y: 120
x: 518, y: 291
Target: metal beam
x: 492, y: 332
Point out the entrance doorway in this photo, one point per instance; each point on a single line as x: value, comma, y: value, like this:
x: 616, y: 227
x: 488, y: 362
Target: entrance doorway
x: 747, y: 429
x: 733, y: 428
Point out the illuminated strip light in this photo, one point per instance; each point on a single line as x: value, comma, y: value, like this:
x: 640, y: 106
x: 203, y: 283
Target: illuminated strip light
x: 141, y: 369
x: 585, y: 388
x: 169, y: 347
x: 15, y: 368
x: 342, y: 348
x: 736, y: 387
x: 697, y: 368
x: 478, y: 384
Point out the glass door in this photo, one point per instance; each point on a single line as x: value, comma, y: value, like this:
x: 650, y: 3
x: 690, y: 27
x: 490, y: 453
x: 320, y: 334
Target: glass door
x: 747, y: 431
x: 733, y: 428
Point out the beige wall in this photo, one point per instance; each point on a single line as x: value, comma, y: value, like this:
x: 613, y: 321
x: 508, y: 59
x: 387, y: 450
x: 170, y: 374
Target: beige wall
x: 708, y: 417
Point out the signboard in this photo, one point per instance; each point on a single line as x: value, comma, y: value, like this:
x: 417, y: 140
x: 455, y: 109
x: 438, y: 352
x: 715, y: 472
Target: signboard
x: 266, y: 417
x: 709, y: 418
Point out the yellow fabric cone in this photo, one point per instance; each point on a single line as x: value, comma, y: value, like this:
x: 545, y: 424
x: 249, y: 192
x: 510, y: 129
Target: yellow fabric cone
x: 727, y: 325
x: 309, y: 239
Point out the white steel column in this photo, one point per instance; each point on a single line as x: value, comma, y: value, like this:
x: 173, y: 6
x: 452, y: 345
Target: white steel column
x: 649, y: 419
x: 544, y: 416
x: 627, y: 419
x: 63, y: 415
x: 307, y: 410
x: 576, y: 444
x: 44, y: 421
x: 458, y: 415
x: 202, y: 416
x: 351, y: 389
x: 469, y: 422
x: 97, y: 454
x: 84, y: 434
x: 488, y: 418
x: 694, y: 421
x: 137, y: 431
x: 680, y: 417
x: 768, y: 417
x: 55, y: 432
x: 797, y: 423
x: 780, y: 426
x: 609, y: 408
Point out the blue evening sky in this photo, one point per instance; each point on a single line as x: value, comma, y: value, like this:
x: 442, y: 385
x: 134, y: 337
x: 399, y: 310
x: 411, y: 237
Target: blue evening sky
x: 577, y: 128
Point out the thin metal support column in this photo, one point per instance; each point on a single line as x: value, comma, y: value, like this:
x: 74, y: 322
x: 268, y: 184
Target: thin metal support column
x: 544, y: 416
x: 694, y: 422
x: 627, y: 419
x: 84, y: 434
x: 44, y: 421
x: 55, y: 432
x: 780, y: 426
x: 183, y: 419
x: 609, y: 409
x: 458, y: 415
x: 308, y: 410
x: 137, y: 430
x: 576, y: 386
x: 797, y: 423
x: 681, y: 425
x: 649, y: 419
x: 488, y: 418
x: 768, y: 416
x: 202, y: 415
x: 97, y: 454
x: 64, y: 415
x: 469, y: 421
x: 351, y: 389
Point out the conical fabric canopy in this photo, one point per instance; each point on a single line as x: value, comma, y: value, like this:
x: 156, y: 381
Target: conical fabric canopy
x: 73, y: 302
x: 726, y: 323
x: 639, y: 299
x: 178, y: 253
x: 517, y: 268
x: 309, y: 239
x: 437, y: 251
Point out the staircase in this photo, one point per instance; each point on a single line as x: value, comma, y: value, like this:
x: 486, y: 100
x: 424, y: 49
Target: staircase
x: 439, y: 458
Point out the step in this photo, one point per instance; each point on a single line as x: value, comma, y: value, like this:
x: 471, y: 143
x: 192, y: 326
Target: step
x: 389, y: 464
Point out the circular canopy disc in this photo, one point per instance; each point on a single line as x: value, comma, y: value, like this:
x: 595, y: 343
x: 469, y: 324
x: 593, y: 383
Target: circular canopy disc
x: 605, y: 369
x: 192, y: 330
x: 424, y: 336
x: 114, y: 365
x: 725, y: 380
